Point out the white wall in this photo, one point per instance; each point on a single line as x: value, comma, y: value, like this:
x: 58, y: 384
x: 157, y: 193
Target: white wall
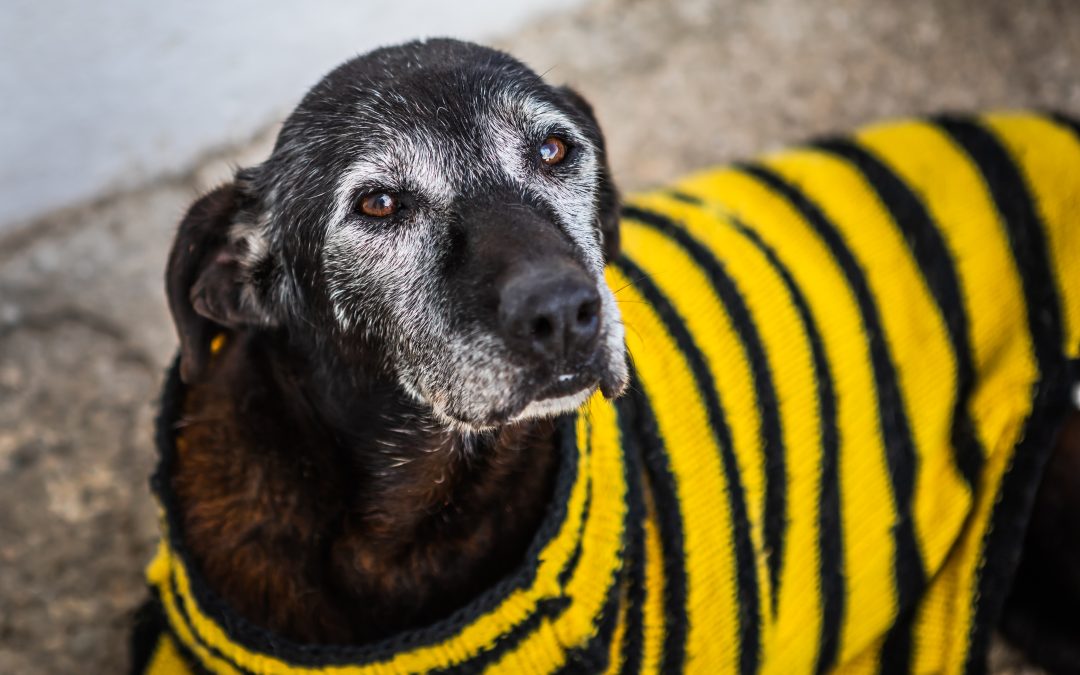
x: 96, y: 96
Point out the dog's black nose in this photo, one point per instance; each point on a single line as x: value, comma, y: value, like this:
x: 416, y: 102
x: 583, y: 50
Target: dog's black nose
x: 550, y: 313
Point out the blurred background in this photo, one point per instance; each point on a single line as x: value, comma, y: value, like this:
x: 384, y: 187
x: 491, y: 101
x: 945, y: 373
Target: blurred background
x: 115, y: 116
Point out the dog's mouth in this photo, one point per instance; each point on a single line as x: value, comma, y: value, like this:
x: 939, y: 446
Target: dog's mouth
x: 567, y: 392
x: 549, y: 395
x: 568, y: 384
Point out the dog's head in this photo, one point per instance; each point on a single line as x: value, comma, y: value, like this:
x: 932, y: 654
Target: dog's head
x: 432, y: 211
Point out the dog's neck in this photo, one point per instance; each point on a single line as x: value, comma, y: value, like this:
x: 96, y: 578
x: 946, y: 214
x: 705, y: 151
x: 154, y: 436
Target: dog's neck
x: 332, y: 508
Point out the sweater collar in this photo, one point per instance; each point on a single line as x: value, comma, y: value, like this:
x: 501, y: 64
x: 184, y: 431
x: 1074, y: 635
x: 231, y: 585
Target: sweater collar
x: 552, y: 604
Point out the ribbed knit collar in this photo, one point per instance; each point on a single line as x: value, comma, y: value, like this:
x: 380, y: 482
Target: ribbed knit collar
x: 557, y: 605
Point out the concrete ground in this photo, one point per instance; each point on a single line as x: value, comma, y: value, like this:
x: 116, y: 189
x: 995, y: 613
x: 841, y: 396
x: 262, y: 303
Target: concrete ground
x: 84, y: 333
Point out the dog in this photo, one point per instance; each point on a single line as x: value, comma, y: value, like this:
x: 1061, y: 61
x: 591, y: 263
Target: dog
x: 403, y: 432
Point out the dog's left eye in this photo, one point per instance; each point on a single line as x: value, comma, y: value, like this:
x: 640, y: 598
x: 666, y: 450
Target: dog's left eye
x: 552, y: 150
x: 378, y: 204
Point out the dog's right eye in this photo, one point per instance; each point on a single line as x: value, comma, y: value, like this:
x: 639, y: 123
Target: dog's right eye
x: 378, y: 204
x: 553, y: 150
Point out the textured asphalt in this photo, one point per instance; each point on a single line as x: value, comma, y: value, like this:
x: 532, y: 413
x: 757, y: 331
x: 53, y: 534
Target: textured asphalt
x: 84, y: 333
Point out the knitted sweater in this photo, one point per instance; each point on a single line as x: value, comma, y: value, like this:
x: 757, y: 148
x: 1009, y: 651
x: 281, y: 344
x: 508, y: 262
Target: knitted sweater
x: 849, y: 363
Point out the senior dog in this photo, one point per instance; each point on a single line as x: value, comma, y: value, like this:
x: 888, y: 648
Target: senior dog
x: 381, y: 448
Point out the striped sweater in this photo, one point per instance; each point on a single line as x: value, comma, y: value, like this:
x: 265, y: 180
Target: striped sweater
x: 849, y: 361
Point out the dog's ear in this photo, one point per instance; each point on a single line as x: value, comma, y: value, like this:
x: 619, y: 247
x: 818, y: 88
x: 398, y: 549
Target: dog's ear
x: 208, y: 287
x: 608, y: 202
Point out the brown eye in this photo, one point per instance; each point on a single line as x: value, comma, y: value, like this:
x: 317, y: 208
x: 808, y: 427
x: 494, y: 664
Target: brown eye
x: 552, y: 150
x: 378, y: 204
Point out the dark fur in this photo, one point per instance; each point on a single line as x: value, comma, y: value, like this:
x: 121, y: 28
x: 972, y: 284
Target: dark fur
x: 303, y: 516
x: 1042, y: 615
x: 322, y: 499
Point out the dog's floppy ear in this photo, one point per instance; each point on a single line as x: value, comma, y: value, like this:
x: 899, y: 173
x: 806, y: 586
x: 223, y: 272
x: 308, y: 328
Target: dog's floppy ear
x: 608, y: 203
x: 209, y: 290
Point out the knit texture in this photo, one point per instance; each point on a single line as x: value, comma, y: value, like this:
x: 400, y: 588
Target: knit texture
x: 850, y: 361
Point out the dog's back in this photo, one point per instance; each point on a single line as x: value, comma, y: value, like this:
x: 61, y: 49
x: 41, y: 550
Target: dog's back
x: 876, y: 333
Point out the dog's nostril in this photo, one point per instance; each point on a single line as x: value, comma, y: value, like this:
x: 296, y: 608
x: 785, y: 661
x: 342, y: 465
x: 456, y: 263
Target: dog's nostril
x: 587, y: 313
x: 542, y: 328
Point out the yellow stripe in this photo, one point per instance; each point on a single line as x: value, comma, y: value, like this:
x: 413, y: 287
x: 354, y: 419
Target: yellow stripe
x: 956, y: 195
x: 158, y: 574
x: 790, y: 644
x: 652, y: 647
x: 167, y: 659
x: 615, y: 652
x: 1048, y: 157
x: 865, y: 662
x: 600, y: 560
x: 914, y: 332
x: 682, y: 422
x: 475, y: 636
x: 867, y: 519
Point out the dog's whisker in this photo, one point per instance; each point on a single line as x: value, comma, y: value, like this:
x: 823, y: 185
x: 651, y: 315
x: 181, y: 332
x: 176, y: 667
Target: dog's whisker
x: 628, y: 284
x: 635, y: 331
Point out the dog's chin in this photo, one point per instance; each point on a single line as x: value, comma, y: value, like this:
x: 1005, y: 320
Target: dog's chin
x: 532, y: 400
x: 566, y: 395
x: 554, y: 406
x: 570, y: 391
x: 555, y: 401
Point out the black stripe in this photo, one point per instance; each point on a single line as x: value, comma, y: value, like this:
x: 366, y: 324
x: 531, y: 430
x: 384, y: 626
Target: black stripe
x: 775, y: 469
x: 548, y: 609
x: 1004, y: 539
x: 1025, y: 232
x: 669, y: 523
x: 900, y: 457
x: 634, y: 556
x: 1026, y: 236
x: 684, y: 197
x: 182, y: 610
x: 192, y: 663
x: 1067, y: 122
x: 148, y: 628
x: 595, y: 655
x: 575, y: 557
x: 747, y: 591
x: 935, y: 262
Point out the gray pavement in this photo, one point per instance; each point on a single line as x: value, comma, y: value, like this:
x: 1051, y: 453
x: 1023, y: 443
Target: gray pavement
x: 84, y: 333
